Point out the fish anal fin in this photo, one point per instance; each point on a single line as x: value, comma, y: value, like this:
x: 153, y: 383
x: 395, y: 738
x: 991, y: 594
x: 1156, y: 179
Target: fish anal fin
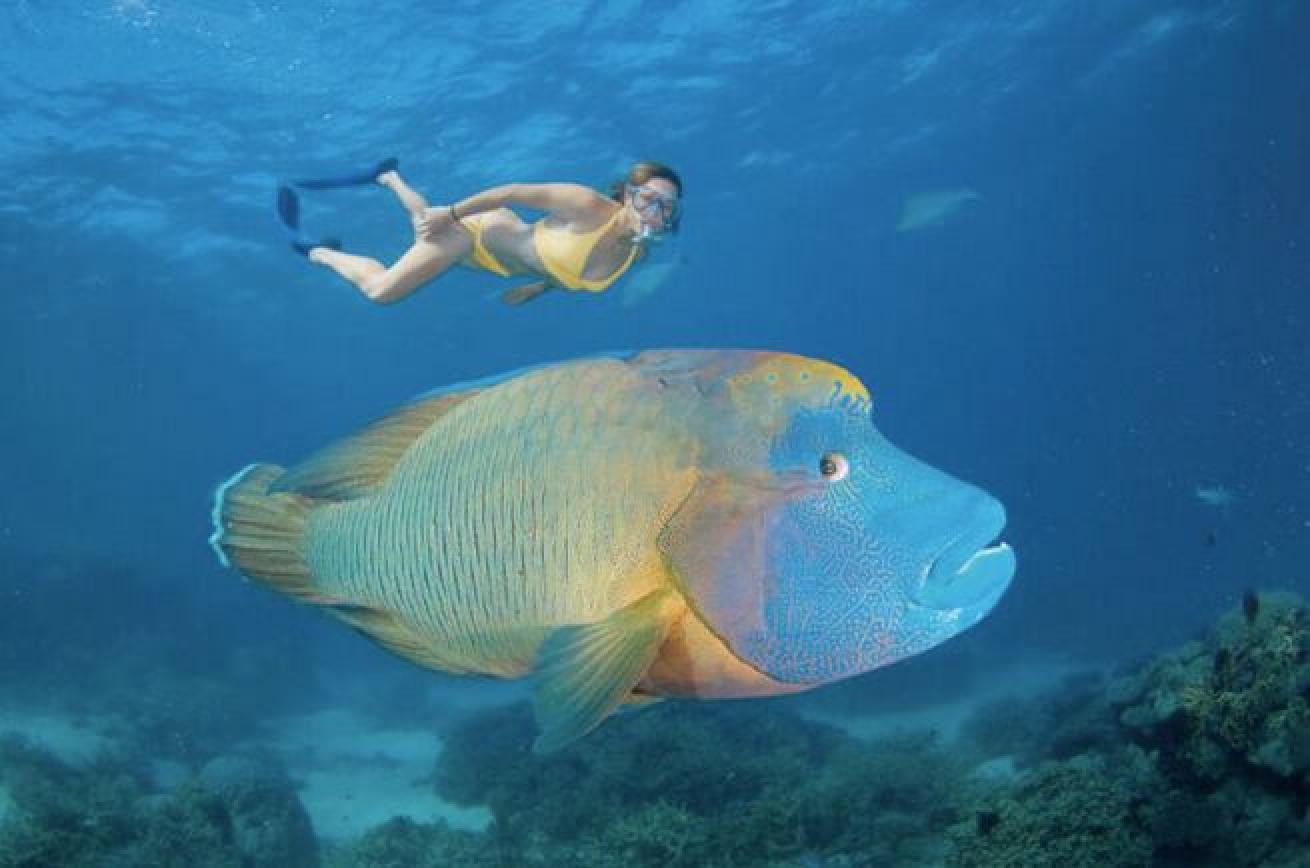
x: 636, y: 701
x: 392, y: 633
x: 586, y: 672
x: 356, y: 466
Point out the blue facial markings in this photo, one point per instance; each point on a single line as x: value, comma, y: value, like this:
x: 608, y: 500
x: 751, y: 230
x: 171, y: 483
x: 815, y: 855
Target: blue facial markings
x: 843, y: 399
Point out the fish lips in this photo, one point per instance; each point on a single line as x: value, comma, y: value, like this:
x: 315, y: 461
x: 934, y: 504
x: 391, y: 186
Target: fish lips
x: 971, y: 573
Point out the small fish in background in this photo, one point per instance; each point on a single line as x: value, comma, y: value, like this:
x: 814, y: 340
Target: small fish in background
x: 1218, y: 496
x: 673, y: 523
x: 933, y: 208
x: 1250, y: 605
x: 642, y: 284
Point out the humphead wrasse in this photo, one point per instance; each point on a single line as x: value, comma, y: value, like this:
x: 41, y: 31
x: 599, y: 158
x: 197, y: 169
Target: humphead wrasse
x: 697, y: 524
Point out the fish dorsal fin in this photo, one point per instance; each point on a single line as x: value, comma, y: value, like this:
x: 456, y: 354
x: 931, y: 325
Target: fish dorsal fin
x: 356, y: 466
x: 587, y: 672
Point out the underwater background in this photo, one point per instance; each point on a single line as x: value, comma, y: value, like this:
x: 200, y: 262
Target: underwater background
x: 1065, y: 245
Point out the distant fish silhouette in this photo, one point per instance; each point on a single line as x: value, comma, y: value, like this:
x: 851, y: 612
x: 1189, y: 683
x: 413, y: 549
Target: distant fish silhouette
x: 1250, y: 605
x: 642, y: 284
x: 933, y: 208
x: 1216, y: 495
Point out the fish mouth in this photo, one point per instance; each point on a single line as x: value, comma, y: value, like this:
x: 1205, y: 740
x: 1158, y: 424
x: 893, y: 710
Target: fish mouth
x: 972, y: 571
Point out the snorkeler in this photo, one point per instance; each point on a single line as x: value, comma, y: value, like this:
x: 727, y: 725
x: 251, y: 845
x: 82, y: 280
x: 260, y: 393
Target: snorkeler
x: 585, y: 240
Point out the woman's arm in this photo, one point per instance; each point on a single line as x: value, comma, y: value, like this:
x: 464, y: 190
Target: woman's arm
x: 566, y: 200
x: 569, y: 201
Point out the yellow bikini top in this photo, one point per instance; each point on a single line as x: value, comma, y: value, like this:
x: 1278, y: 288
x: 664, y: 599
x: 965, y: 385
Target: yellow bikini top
x: 564, y: 254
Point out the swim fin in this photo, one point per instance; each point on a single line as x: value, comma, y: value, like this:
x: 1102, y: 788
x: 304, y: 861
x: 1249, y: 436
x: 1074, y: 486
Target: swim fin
x: 288, y: 211
x: 304, y: 245
x: 350, y: 179
x: 288, y: 207
x: 288, y: 202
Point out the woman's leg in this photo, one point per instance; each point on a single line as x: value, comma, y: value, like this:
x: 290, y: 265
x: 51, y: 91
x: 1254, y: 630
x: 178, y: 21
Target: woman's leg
x: 409, y: 197
x: 424, y: 261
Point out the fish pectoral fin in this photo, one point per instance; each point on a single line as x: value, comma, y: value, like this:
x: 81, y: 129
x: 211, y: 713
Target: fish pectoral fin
x: 586, y: 672
x: 356, y: 466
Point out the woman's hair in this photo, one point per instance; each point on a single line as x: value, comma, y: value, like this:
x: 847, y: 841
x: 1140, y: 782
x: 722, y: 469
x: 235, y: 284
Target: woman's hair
x: 639, y: 174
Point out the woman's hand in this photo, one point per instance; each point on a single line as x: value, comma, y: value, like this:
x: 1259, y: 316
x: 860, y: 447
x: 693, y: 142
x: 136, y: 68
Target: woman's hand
x: 434, y: 222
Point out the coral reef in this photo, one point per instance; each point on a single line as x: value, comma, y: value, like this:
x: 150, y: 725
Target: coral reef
x: 703, y: 785
x: 1089, y: 812
x: 1198, y: 757
x: 238, y: 813
x: 1211, y: 768
x: 403, y: 843
x: 269, y: 825
x: 1235, y: 701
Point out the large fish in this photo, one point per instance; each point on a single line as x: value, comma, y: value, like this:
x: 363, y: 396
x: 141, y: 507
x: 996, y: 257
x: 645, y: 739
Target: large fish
x: 671, y: 523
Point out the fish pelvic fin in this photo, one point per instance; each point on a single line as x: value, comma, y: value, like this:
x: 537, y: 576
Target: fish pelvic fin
x: 586, y: 672
x: 262, y: 534
x: 356, y: 466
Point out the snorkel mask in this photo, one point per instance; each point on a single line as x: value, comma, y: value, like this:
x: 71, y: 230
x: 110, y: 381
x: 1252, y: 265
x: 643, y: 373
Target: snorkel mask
x: 648, y: 201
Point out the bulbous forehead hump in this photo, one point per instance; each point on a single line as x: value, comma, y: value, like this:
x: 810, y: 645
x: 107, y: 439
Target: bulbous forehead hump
x: 778, y: 379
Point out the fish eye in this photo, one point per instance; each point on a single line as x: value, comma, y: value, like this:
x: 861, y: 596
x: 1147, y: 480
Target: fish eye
x: 834, y: 466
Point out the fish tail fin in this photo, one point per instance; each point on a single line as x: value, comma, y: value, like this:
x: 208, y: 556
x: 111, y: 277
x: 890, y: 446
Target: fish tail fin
x: 261, y: 533
x: 259, y: 530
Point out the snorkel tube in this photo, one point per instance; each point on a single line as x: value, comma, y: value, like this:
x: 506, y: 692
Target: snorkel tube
x: 647, y: 235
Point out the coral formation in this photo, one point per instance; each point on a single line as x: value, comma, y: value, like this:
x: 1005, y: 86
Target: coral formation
x: 1235, y: 702
x: 684, y: 785
x: 403, y: 843
x: 1199, y: 757
x: 1091, y: 811
x: 1211, y: 770
x: 107, y: 816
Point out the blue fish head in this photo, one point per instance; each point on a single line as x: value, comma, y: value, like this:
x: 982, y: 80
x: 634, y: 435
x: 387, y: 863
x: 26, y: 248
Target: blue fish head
x: 816, y: 549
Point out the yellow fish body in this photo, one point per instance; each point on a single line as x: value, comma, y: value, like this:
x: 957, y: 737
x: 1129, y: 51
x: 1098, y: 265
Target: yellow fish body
x: 623, y: 527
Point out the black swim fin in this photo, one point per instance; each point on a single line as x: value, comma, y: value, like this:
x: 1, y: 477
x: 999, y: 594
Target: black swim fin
x: 350, y: 179
x: 288, y: 207
x: 288, y: 201
x: 304, y: 245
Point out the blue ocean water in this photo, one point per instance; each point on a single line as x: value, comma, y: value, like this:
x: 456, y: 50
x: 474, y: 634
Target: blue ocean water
x: 1107, y: 330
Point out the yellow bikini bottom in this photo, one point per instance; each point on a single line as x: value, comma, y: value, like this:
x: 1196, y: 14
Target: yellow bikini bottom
x: 482, y: 257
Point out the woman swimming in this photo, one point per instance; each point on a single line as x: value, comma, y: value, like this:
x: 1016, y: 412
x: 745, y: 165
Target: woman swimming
x: 585, y: 241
